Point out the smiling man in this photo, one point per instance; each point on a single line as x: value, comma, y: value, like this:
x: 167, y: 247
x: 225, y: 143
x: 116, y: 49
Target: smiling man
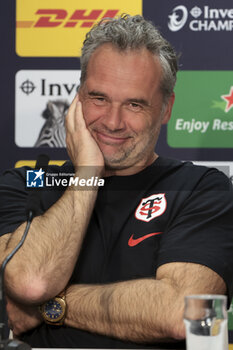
x: 122, y: 103
x: 110, y: 267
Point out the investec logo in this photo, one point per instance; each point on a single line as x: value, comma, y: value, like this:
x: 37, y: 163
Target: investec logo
x: 42, y: 96
x: 48, y: 89
x: 201, y: 19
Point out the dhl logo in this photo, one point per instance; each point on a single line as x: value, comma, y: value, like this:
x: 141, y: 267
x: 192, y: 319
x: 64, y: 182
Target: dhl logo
x: 51, y: 18
x: 50, y: 28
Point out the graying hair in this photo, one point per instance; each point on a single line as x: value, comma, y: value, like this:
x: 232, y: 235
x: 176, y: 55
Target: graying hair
x: 132, y: 32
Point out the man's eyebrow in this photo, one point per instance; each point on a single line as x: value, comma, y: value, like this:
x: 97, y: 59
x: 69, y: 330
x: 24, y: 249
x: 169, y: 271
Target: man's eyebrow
x: 96, y: 93
x: 141, y: 101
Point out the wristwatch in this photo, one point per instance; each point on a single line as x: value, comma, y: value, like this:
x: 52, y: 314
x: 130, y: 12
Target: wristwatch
x: 53, y: 311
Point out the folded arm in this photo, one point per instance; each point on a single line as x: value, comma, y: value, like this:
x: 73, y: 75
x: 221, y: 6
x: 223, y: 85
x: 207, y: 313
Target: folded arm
x: 144, y: 310
x: 50, y: 250
x: 45, y: 262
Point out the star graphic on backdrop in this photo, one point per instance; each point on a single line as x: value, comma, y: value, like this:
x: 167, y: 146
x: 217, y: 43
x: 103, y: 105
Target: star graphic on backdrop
x: 229, y: 100
x: 39, y: 173
x: 219, y: 104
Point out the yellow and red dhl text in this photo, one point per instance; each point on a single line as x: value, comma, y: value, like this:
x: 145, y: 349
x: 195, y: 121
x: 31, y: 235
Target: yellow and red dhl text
x: 57, y: 28
x: 50, y: 18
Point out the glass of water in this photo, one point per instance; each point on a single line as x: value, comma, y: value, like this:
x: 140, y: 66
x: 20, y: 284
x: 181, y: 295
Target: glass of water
x: 205, y: 318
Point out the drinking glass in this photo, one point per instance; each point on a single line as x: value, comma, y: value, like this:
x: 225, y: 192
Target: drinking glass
x: 205, y: 318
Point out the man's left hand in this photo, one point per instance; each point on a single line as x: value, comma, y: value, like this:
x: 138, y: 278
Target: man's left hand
x: 22, y: 318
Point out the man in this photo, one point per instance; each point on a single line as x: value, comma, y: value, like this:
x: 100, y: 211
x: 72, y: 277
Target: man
x: 120, y: 258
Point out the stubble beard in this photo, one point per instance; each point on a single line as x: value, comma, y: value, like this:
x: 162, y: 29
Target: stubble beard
x: 126, y: 157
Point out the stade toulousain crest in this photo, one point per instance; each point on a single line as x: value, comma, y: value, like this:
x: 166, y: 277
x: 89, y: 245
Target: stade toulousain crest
x: 151, y: 207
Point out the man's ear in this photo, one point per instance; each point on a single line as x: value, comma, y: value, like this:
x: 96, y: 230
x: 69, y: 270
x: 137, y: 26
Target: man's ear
x: 168, y: 109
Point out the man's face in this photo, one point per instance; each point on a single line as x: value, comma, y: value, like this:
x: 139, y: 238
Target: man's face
x: 122, y: 105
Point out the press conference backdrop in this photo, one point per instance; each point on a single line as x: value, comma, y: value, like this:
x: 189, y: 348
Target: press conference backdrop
x: 40, y: 71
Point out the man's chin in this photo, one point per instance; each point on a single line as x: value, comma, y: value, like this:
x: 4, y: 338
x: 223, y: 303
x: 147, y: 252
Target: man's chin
x: 115, y: 163
x: 118, y: 159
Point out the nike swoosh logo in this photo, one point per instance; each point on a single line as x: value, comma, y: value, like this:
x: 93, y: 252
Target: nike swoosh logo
x: 132, y: 242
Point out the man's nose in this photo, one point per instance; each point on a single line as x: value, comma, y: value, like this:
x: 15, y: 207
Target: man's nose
x: 113, y: 118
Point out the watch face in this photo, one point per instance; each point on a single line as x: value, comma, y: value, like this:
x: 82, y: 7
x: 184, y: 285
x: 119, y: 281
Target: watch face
x: 54, y: 310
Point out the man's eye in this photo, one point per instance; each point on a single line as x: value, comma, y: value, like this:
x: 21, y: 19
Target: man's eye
x: 99, y: 101
x: 135, y: 107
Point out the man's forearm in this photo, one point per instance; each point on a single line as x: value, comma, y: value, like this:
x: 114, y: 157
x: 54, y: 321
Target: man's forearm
x: 44, y: 264
x: 135, y: 310
x: 144, y: 310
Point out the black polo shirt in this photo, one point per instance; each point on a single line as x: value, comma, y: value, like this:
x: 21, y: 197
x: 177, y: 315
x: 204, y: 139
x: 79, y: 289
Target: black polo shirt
x: 169, y: 212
